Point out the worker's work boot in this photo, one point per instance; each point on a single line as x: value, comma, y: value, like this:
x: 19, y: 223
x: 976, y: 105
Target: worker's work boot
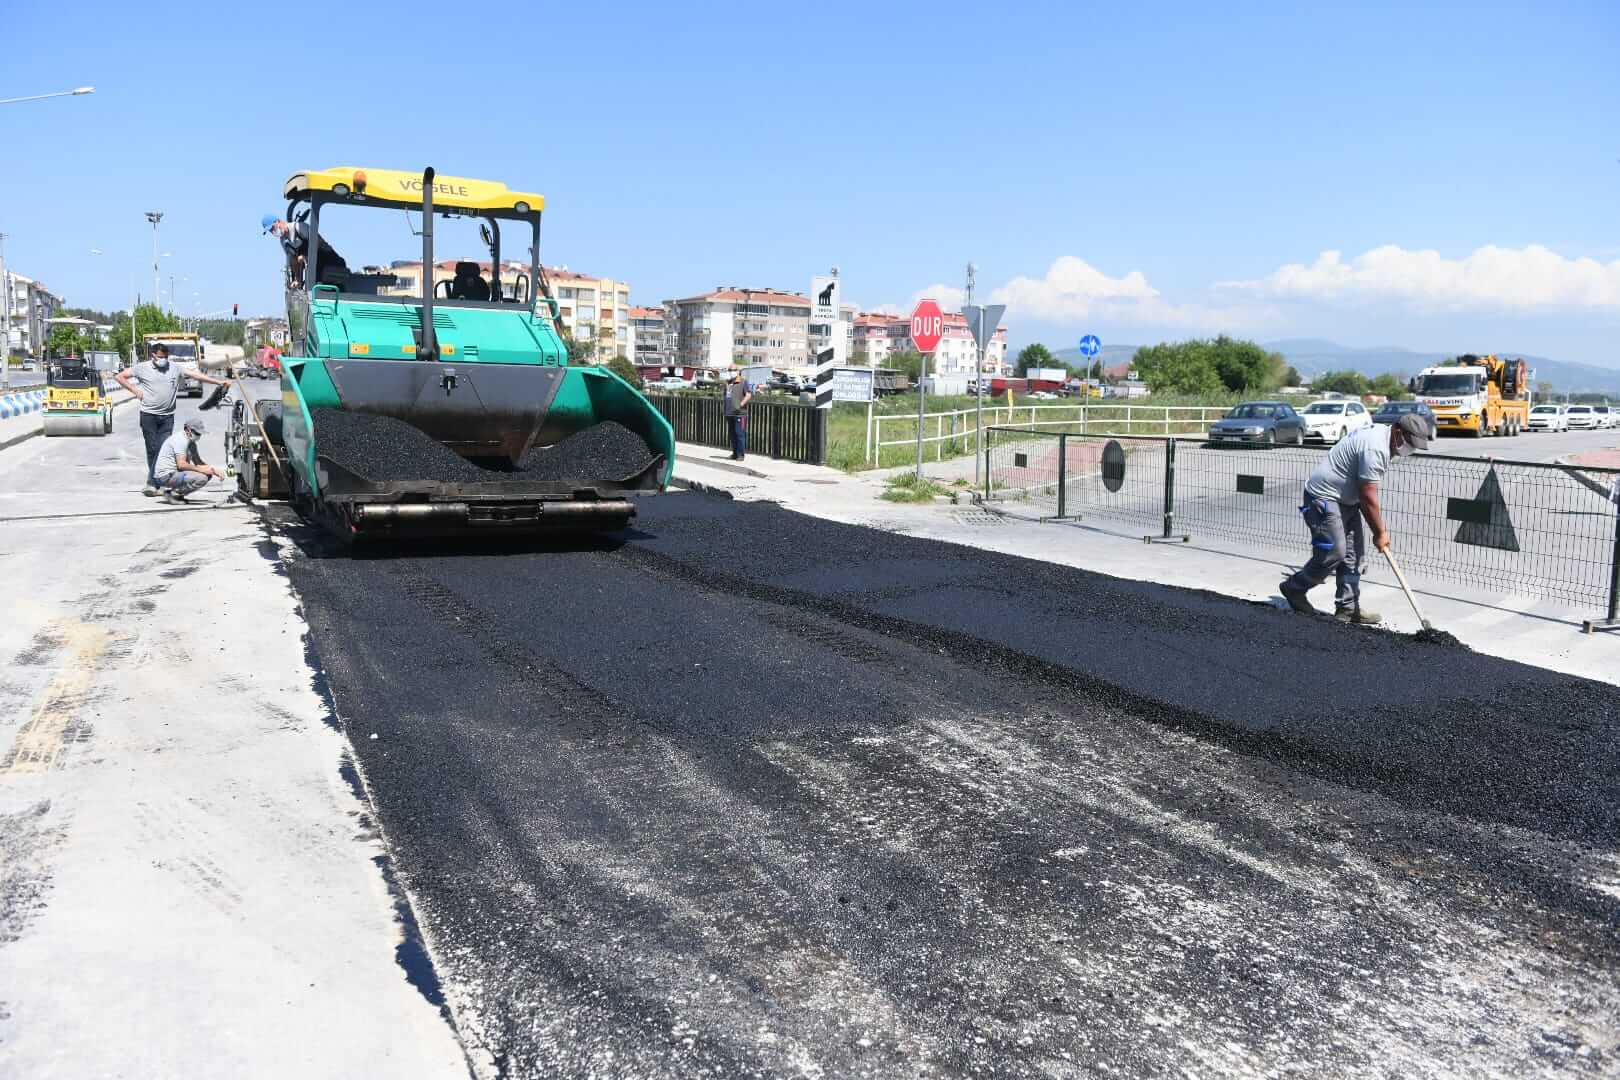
x: 1358, y: 616
x: 1296, y: 599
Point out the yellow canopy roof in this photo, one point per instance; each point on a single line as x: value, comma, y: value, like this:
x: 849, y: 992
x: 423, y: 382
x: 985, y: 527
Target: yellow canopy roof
x: 405, y: 188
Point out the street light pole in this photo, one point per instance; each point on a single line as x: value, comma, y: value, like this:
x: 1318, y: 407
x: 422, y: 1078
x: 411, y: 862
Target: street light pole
x: 5, y: 319
x: 41, y: 97
x: 155, y: 216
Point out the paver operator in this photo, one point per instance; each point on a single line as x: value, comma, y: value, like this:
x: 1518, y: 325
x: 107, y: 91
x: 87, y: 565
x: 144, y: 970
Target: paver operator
x: 1341, y: 491
x: 156, y: 385
x: 294, y: 237
x: 180, y: 468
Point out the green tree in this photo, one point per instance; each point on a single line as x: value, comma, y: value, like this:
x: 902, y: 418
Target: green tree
x: 1034, y: 356
x: 622, y: 367
x: 148, y: 320
x: 67, y: 341
x: 1341, y: 382
x: 1544, y: 390
x: 1178, y: 367
x: 1290, y: 376
x: 579, y: 352
x: 1390, y: 386
x: 1242, y: 365
x: 908, y: 362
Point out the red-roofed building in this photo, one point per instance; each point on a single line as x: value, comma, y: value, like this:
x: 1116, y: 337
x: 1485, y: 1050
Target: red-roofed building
x: 734, y: 325
x: 879, y: 337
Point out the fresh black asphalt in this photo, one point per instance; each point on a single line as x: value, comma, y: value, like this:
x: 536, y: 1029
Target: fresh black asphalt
x: 740, y: 792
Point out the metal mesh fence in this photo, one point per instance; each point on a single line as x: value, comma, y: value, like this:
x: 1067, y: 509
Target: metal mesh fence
x: 1525, y: 528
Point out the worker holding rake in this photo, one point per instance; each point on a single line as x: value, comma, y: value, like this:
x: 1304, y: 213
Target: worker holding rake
x: 1342, y: 491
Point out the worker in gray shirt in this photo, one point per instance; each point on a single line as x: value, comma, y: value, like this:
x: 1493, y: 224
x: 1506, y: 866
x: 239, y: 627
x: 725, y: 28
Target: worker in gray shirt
x: 1340, y: 493
x: 735, y: 407
x: 156, y: 385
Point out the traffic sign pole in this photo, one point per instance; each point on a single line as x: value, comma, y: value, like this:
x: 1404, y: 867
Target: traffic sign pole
x: 927, y: 327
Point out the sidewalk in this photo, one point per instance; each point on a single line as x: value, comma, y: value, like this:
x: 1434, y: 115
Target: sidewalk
x: 189, y: 885
x: 1528, y: 629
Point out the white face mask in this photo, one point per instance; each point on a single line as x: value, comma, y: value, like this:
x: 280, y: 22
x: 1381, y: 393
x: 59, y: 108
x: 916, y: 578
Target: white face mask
x: 162, y: 363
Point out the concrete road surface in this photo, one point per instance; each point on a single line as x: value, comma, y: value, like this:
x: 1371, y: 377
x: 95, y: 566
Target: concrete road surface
x: 190, y: 885
x: 746, y: 793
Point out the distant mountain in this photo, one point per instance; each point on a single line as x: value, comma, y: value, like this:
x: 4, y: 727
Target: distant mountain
x: 1314, y: 356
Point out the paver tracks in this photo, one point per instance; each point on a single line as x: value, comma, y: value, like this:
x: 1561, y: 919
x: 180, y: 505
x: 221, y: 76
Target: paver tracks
x: 754, y: 794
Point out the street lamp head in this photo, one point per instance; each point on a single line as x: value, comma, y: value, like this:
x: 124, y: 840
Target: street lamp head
x: 154, y: 216
x: 83, y: 90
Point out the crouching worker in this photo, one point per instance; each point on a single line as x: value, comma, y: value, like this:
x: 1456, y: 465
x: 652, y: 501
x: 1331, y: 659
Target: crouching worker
x: 1343, y: 490
x: 180, y: 469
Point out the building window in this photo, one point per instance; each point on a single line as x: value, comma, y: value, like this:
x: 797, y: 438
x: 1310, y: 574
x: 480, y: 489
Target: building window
x: 565, y: 294
x: 587, y: 312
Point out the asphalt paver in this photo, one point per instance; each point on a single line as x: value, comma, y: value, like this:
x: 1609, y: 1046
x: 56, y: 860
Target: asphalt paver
x: 741, y: 792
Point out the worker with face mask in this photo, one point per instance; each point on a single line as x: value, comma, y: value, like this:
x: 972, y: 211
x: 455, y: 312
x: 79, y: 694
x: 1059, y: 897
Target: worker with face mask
x: 156, y: 385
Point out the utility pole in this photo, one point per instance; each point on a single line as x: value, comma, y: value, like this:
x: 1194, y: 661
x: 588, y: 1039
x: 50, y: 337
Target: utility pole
x: 155, y: 216
x: 5, y: 318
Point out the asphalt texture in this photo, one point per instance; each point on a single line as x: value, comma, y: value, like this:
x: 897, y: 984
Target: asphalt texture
x: 741, y: 792
x: 384, y: 448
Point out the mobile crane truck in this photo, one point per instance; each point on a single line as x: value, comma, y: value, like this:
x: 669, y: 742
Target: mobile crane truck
x: 1476, y: 395
x: 445, y: 408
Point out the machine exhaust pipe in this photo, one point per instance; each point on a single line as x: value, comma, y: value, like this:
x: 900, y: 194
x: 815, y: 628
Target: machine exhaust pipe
x: 427, y: 347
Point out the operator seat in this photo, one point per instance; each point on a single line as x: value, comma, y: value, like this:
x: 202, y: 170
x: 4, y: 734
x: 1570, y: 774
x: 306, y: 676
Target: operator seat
x: 468, y: 284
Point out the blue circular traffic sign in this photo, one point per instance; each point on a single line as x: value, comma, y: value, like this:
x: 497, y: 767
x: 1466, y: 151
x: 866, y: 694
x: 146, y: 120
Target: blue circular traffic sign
x: 1090, y: 345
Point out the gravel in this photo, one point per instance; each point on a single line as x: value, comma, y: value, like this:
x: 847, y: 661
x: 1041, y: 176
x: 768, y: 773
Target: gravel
x: 382, y: 448
x: 606, y: 451
x: 766, y: 795
x: 1430, y: 636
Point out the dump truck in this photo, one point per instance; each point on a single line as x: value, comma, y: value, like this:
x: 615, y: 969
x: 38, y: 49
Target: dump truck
x: 185, y: 349
x: 440, y: 408
x: 1476, y: 395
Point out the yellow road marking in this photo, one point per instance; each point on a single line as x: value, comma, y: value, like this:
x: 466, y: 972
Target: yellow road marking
x: 42, y: 741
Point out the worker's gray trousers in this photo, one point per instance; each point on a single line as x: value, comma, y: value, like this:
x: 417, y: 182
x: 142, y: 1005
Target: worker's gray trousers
x: 1338, y: 547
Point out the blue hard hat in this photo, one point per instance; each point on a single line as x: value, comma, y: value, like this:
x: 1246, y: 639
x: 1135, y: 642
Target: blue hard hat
x: 267, y: 221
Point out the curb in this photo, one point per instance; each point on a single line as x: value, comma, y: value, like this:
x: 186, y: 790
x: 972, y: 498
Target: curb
x: 15, y: 440
x: 699, y: 485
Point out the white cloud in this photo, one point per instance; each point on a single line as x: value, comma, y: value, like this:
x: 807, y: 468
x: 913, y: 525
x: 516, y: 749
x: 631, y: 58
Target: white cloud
x: 1073, y: 290
x: 950, y: 297
x: 1520, y: 279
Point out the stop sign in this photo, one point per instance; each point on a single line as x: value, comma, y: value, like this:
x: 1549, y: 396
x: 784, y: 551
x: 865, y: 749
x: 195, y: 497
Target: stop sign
x: 927, y: 326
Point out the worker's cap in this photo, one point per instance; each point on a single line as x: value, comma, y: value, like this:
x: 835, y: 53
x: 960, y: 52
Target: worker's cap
x: 1416, y: 432
x: 195, y: 426
x: 267, y: 221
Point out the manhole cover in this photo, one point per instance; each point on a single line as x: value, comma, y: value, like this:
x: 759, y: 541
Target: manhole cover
x: 978, y: 517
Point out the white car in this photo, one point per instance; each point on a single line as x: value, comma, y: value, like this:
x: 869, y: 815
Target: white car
x: 1607, y: 417
x: 1581, y: 416
x: 669, y: 382
x: 1547, y: 418
x: 1330, y: 421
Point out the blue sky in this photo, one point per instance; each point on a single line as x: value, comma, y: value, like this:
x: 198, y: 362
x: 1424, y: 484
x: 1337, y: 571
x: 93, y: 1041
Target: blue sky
x: 1139, y: 172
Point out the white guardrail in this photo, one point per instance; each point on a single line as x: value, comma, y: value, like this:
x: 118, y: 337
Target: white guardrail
x: 1085, y: 418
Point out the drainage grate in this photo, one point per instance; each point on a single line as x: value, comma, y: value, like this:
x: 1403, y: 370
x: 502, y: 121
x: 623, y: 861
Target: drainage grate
x: 978, y: 517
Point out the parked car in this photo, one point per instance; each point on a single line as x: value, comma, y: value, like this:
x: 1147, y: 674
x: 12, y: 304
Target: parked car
x: 1266, y: 423
x: 1390, y: 412
x: 669, y: 382
x: 1608, y: 417
x: 1581, y: 416
x: 1548, y: 418
x: 1330, y: 421
x: 1043, y: 395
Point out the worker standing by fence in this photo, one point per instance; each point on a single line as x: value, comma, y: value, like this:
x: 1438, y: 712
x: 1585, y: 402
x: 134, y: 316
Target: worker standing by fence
x: 738, y: 395
x: 1342, y: 491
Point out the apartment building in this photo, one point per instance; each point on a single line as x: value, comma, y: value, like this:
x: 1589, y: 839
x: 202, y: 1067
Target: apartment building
x: 30, y: 305
x: 652, y: 332
x: 593, y: 311
x: 733, y: 325
x: 877, y: 338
